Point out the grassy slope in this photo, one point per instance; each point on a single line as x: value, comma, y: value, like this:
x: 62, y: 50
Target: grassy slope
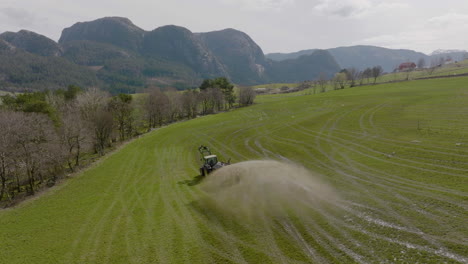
x: 447, y: 70
x: 388, y: 150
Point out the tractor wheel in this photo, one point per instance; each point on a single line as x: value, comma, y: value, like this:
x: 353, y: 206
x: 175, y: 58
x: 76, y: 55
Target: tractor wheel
x: 202, y: 171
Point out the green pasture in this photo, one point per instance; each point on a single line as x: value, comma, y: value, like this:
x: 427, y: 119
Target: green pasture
x: 396, y: 155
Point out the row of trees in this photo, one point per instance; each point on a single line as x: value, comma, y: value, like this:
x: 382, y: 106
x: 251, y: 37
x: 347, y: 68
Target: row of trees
x: 46, y: 134
x: 348, y: 77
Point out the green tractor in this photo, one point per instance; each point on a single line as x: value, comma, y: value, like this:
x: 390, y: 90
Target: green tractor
x: 210, y: 161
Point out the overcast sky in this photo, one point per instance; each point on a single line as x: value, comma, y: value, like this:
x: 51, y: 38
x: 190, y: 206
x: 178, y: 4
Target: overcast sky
x: 276, y: 25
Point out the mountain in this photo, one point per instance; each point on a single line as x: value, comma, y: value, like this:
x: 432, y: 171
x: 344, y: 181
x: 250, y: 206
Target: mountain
x: 306, y: 67
x: 362, y: 57
x: 119, y: 56
x: 244, y: 59
x: 180, y: 45
x: 32, y: 42
x: 118, y: 31
x: 287, y: 56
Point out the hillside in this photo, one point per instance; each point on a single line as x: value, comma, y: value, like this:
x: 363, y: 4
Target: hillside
x: 180, y: 45
x: 26, y: 71
x: 304, y: 67
x: 33, y: 43
x: 384, y: 181
x: 286, y: 56
x: 243, y: 58
x: 363, y: 57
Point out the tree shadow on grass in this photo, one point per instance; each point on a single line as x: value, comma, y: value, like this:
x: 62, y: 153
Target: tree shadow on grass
x: 194, y: 181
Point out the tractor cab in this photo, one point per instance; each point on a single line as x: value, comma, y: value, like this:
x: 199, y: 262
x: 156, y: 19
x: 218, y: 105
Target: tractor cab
x: 210, y: 161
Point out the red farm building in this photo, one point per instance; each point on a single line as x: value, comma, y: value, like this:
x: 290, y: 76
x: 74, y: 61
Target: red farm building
x: 407, y: 66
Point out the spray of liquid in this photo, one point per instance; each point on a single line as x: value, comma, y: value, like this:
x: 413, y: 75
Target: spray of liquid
x: 264, y: 188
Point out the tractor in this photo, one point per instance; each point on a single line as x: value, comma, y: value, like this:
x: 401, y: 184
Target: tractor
x: 210, y: 161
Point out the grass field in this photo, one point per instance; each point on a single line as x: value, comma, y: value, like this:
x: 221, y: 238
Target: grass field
x: 395, y: 155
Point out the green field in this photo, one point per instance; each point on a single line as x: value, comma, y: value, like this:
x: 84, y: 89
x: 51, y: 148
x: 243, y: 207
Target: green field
x: 395, y: 155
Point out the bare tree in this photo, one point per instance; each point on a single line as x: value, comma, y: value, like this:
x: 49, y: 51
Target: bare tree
x: 190, y: 103
x: 122, y: 111
x: 314, y: 86
x: 74, y: 134
x: 246, y: 96
x: 102, y: 123
x: 34, y: 140
x: 322, y: 81
x: 93, y: 109
x: 376, y: 72
x: 8, y: 125
x: 175, y: 104
x: 367, y: 74
x: 352, y: 74
x: 361, y: 77
x: 156, y: 106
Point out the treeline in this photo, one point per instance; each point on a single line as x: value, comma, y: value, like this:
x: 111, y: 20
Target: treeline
x: 48, y: 134
x: 349, y: 77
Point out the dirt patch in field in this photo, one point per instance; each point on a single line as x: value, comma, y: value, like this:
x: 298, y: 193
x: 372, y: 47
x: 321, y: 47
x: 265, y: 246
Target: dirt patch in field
x: 264, y: 188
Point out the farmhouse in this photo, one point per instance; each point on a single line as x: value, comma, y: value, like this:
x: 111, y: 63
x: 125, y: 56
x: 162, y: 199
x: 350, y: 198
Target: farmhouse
x: 406, y: 66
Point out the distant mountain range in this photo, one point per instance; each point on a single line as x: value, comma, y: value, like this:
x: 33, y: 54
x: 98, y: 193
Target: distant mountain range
x: 362, y: 57
x: 114, y: 53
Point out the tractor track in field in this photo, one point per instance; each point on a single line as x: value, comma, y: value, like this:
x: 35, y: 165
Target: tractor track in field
x: 328, y: 156
x: 432, y: 241
x: 408, y: 144
x: 335, y: 140
x: 346, y: 235
x: 448, y: 156
x: 443, y: 252
x: 87, y: 224
x: 384, y: 183
x: 438, y: 250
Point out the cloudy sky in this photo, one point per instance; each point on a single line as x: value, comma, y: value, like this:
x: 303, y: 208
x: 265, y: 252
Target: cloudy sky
x: 276, y: 25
